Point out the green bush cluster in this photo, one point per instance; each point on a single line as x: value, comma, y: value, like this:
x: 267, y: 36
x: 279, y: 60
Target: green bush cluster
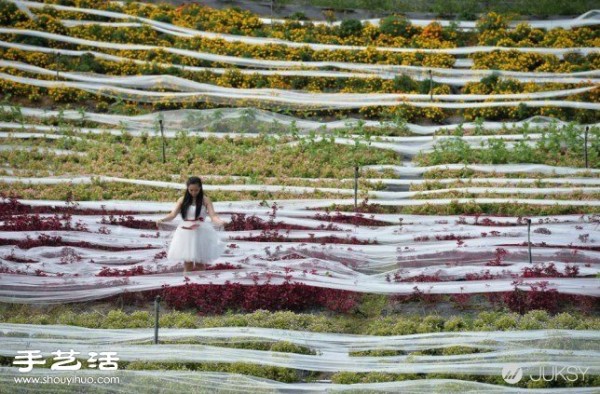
x: 396, y: 324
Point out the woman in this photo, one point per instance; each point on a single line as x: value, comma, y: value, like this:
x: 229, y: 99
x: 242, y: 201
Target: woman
x: 194, y: 242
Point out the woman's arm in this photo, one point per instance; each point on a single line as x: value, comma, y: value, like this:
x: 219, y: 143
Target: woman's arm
x: 211, y: 212
x: 173, y: 213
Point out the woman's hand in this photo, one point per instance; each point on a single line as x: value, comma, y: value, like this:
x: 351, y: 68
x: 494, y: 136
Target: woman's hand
x: 218, y: 222
x: 158, y: 222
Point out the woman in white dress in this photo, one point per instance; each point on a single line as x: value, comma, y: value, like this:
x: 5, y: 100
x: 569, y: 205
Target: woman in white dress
x: 195, y: 242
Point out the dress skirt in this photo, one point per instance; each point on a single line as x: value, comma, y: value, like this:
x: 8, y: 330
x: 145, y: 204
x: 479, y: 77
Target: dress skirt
x: 200, y: 245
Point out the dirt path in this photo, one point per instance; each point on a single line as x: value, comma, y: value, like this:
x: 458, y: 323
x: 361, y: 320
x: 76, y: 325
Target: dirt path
x: 263, y: 8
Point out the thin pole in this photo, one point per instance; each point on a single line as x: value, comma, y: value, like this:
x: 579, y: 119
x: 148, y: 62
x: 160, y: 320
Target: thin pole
x: 431, y: 85
x: 355, y: 187
x: 162, y: 134
x: 156, y: 312
x: 585, y: 145
x: 529, y: 239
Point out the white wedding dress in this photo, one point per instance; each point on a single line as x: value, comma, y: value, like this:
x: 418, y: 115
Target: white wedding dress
x: 201, y: 244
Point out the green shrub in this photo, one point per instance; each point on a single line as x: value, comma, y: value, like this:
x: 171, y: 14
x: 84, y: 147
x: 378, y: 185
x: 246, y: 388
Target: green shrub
x: 350, y: 27
x: 178, y: 319
x: 396, y: 26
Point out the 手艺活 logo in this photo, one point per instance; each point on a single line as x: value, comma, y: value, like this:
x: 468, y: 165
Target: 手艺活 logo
x: 66, y: 361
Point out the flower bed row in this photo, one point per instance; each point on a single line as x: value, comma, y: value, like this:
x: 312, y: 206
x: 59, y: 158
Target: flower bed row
x: 559, y: 147
x: 395, y: 30
x: 471, y: 208
x: 32, y: 96
x: 266, y: 156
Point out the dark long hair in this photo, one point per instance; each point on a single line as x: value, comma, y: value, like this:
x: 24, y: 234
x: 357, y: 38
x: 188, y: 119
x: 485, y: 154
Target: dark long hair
x: 188, y: 199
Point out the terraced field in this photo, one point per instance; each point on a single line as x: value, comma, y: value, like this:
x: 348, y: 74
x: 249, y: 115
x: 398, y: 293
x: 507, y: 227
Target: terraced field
x: 410, y: 206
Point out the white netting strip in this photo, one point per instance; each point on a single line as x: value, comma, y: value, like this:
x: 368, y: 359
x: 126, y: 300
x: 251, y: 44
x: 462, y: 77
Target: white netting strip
x: 178, y: 84
x: 251, y: 118
x: 211, y: 57
x: 383, y: 195
x: 456, y: 77
x: 485, y: 363
x: 575, y: 340
x: 179, y: 381
x: 231, y: 96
